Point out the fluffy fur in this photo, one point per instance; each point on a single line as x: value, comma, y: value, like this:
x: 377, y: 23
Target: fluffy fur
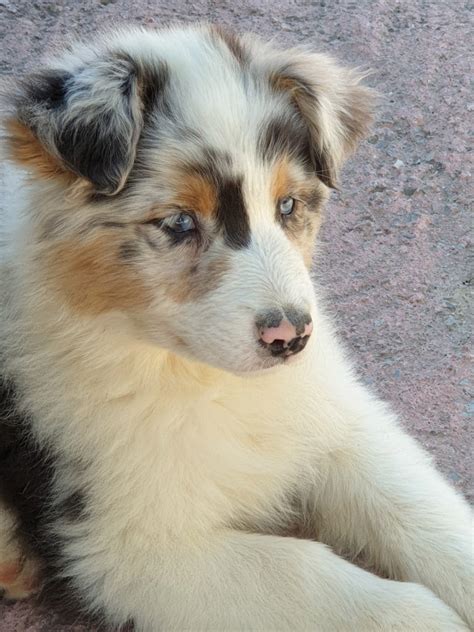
x: 156, y: 456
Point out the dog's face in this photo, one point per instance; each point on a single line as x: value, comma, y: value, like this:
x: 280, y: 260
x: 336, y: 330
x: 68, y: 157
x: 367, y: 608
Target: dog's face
x: 184, y: 177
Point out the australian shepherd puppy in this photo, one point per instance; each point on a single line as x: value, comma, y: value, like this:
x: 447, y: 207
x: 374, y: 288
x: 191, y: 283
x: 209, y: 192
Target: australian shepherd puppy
x: 184, y: 444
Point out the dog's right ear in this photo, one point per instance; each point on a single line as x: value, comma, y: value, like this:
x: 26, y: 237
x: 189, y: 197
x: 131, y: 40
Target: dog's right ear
x: 84, y: 122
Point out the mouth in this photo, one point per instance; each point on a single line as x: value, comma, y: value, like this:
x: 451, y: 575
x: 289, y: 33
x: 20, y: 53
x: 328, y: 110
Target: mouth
x: 268, y: 366
x: 269, y: 362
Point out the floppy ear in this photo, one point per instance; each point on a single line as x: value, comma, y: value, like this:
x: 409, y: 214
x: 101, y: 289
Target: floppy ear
x: 335, y: 107
x: 84, y: 121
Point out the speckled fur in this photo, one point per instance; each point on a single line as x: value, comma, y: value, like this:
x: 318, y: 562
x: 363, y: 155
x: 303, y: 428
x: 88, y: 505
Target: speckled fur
x: 190, y: 461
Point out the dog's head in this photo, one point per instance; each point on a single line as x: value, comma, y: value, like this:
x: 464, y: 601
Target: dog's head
x: 182, y: 177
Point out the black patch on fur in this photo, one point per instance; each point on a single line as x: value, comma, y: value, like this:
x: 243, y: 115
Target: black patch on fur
x: 97, y: 142
x: 271, y: 318
x: 286, y: 135
x: 290, y: 135
x: 128, y: 251
x: 216, y: 161
x: 153, y: 82
x: 302, y: 100
x: 73, y: 507
x: 232, y: 214
x: 97, y: 149
x: 27, y: 471
x: 47, y: 88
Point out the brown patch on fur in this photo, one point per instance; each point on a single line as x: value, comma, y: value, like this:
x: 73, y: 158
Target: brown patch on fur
x: 19, y: 580
x: 284, y: 83
x: 197, y: 193
x: 25, y: 149
x: 92, y: 278
x: 303, y: 224
x: 281, y: 181
x: 191, y: 286
x: 9, y: 572
x: 232, y: 41
x: 284, y: 183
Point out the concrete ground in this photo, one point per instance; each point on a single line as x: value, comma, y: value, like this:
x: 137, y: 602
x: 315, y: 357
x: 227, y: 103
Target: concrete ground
x: 394, y: 252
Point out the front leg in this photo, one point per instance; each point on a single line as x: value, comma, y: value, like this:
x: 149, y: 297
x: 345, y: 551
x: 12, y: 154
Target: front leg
x: 384, y: 499
x: 239, y: 581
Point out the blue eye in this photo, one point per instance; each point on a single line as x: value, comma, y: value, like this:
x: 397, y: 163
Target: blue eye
x: 180, y: 223
x: 286, y: 205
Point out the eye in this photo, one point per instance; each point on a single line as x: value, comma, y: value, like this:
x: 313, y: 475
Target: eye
x: 180, y: 223
x: 286, y: 205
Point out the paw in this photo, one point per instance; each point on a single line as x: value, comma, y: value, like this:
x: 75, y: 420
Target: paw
x: 19, y: 579
x: 422, y: 611
x: 19, y: 573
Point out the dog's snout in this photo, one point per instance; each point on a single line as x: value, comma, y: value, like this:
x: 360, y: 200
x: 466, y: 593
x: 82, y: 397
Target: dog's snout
x: 284, y: 332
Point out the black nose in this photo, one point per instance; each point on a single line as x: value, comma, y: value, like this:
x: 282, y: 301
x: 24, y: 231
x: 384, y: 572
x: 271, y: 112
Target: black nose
x: 284, y: 333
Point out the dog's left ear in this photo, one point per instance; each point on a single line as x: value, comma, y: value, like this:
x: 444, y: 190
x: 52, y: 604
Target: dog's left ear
x: 84, y: 121
x: 336, y: 108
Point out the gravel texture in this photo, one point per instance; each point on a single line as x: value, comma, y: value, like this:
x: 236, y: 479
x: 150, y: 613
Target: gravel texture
x: 393, y: 255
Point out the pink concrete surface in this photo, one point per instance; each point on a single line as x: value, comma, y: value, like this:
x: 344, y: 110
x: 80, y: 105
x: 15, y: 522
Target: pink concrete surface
x: 393, y: 256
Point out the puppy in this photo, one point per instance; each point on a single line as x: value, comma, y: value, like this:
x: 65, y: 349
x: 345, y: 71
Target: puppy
x: 175, y: 402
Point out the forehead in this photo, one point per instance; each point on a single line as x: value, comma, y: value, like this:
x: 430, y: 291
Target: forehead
x: 213, y: 90
x: 217, y: 109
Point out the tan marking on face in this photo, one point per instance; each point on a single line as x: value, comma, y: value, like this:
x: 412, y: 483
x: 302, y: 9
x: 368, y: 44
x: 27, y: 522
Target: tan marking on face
x: 281, y: 181
x: 191, y: 284
x: 289, y: 179
x: 197, y: 193
x: 303, y: 225
x: 26, y: 149
x: 92, y: 277
x: 284, y: 83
